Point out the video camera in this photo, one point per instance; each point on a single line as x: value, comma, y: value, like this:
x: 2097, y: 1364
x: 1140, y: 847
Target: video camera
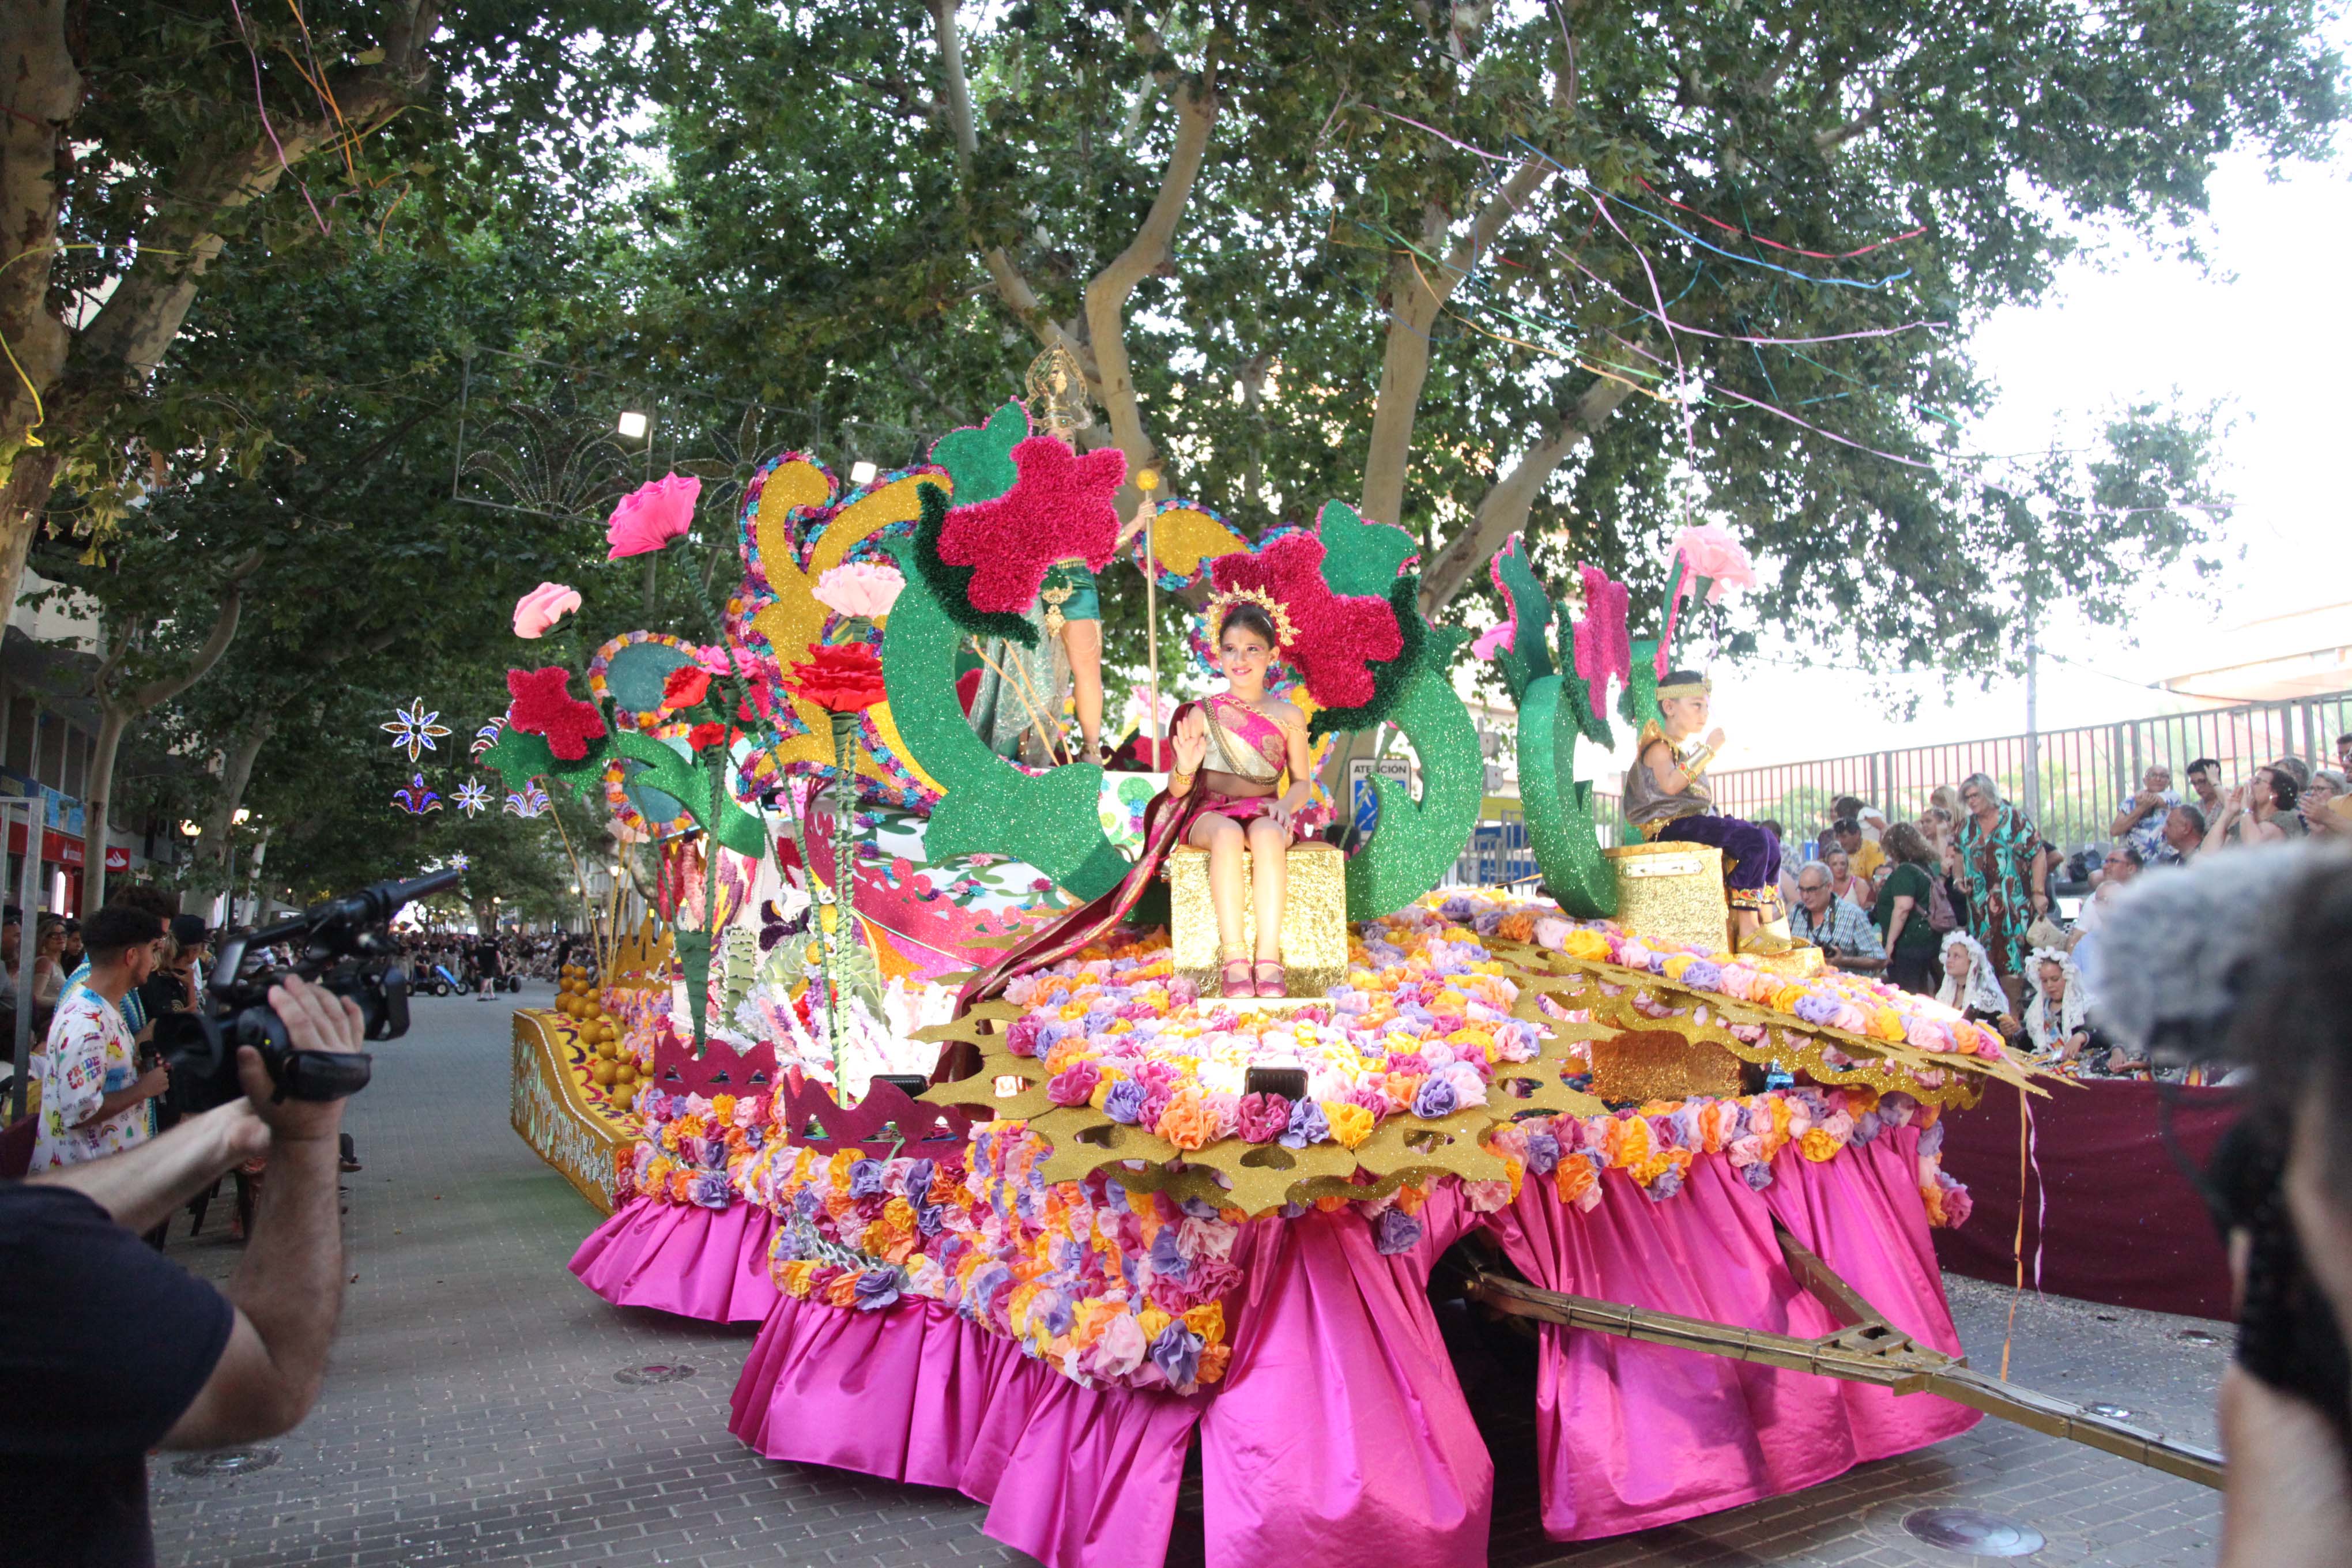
x: 340, y: 944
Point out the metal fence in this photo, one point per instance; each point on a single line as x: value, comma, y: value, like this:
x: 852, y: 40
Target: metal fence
x: 2071, y: 783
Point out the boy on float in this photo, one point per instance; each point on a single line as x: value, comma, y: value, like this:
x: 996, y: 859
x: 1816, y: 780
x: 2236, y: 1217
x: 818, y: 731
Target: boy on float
x: 1667, y: 797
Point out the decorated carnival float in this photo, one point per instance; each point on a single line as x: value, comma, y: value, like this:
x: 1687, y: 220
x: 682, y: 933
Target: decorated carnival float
x: 987, y: 1095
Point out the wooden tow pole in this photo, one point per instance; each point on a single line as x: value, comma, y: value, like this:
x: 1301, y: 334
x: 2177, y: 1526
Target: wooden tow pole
x: 1868, y: 1349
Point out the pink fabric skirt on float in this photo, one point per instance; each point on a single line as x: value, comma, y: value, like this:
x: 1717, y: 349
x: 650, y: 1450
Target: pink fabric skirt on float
x: 1340, y: 1434
x: 709, y: 1264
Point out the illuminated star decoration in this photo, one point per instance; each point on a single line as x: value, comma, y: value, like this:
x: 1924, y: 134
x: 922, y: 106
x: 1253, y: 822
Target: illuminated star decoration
x: 413, y: 730
x: 460, y: 861
x: 471, y: 797
x: 488, y: 735
x: 530, y: 801
x: 416, y: 800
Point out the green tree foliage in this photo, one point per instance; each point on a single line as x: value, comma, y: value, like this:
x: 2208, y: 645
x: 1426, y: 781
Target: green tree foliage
x: 1430, y: 254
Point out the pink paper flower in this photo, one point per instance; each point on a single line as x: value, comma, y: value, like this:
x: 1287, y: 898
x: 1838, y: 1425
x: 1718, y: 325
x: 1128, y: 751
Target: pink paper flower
x: 860, y: 589
x: 652, y: 515
x: 536, y: 613
x: 1490, y: 643
x: 1711, y: 552
x: 1603, y: 647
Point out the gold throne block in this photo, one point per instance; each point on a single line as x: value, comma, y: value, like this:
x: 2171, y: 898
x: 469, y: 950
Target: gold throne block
x: 1672, y: 892
x: 1314, y: 918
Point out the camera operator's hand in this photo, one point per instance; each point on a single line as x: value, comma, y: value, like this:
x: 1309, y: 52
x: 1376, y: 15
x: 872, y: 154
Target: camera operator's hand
x: 316, y: 1020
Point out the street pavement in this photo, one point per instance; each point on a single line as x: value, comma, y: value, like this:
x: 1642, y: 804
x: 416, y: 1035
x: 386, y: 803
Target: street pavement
x: 472, y: 1413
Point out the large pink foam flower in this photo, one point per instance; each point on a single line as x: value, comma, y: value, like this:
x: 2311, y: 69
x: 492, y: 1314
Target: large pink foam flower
x: 1603, y: 649
x: 536, y: 613
x: 1711, y: 553
x: 860, y: 588
x: 652, y: 515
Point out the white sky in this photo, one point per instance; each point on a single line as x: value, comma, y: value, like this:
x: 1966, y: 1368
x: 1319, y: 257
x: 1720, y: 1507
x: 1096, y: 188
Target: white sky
x: 2262, y: 328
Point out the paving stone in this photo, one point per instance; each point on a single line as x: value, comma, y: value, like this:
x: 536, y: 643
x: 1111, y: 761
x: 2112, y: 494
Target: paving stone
x: 470, y: 1413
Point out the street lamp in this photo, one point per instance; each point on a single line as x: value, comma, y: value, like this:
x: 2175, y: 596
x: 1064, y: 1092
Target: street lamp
x: 244, y: 814
x: 632, y: 425
x: 193, y: 829
x: 862, y: 472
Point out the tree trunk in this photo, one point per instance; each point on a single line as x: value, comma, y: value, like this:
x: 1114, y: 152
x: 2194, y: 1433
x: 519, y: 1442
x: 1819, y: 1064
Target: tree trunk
x: 1503, y: 511
x: 116, y: 714
x: 70, y: 380
x: 236, y: 772
x: 111, y: 722
x: 252, y: 880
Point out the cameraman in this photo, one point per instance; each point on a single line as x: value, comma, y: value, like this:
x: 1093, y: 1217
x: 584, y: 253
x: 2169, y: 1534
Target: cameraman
x: 106, y: 1350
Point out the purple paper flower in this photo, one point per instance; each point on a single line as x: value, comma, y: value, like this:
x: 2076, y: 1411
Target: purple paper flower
x: 804, y: 1202
x: 1167, y: 1259
x: 1543, y: 1153
x: 877, y: 1289
x: 1703, y: 975
x: 1669, y: 1182
x: 1931, y: 1142
x: 1436, y: 1099
x: 917, y: 1182
x: 1866, y: 1127
x: 1124, y: 1102
x: 1396, y: 1231
x: 1154, y: 1106
x: 709, y: 1189
x: 1757, y: 1177
x: 1177, y: 1353
x: 1816, y: 1009
x: 1307, y: 1125
x: 867, y: 1180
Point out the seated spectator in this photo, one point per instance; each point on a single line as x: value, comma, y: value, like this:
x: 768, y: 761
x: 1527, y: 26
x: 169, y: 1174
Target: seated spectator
x: 2122, y: 864
x: 93, y: 1095
x: 2205, y: 786
x: 1853, y: 889
x: 2257, y: 811
x: 1972, y: 987
x: 2344, y: 753
x: 1863, y: 855
x: 2057, y: 1027
x: 2326, y: 785
x: 1836, y: 926
x: 1905, y: 911
x: 2140, y: 820
x: 2184, y: 835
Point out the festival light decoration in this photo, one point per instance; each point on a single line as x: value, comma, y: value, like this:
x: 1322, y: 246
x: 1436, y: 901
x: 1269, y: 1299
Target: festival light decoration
x: 526, y: 802
x: 472, y: 797
x: 488, y: 735
x: 415, y: 798
x: 415, y: 731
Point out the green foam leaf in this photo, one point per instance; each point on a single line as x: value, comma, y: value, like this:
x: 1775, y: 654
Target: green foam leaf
x: 978, y: 458
x: 1361, y: 557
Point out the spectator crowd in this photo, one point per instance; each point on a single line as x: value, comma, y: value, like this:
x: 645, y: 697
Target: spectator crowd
x: 1963, y: 902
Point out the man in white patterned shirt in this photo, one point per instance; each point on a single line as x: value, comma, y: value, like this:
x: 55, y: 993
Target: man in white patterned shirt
x: 1837, y: 926
x: 93, y: 1095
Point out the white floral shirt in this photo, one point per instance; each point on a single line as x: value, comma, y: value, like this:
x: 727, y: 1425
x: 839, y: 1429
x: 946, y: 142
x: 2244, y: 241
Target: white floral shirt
x: 88, y: 1056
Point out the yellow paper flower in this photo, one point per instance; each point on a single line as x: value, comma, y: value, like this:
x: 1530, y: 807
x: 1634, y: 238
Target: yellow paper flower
x: 1817, y: 1145
x: 1351, y: 1124
x: 1208, y: 1321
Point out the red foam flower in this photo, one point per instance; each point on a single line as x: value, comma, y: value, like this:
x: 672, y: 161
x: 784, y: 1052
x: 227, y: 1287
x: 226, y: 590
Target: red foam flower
x: 1336, y: 637
x: 840, y: 677
x: 543, y: 705
x: 1059, y: 508
x: 704, y: 736
x: 686, y: 686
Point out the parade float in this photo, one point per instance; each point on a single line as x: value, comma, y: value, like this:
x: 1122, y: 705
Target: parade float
x: 950, y: 1087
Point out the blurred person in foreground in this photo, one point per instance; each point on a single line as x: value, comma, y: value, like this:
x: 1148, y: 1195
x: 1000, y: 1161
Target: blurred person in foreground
x: 2240, y: 961
x: 108, y: 1350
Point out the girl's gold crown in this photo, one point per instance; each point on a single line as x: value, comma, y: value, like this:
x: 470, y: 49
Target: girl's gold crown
x: 1219, y: 604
